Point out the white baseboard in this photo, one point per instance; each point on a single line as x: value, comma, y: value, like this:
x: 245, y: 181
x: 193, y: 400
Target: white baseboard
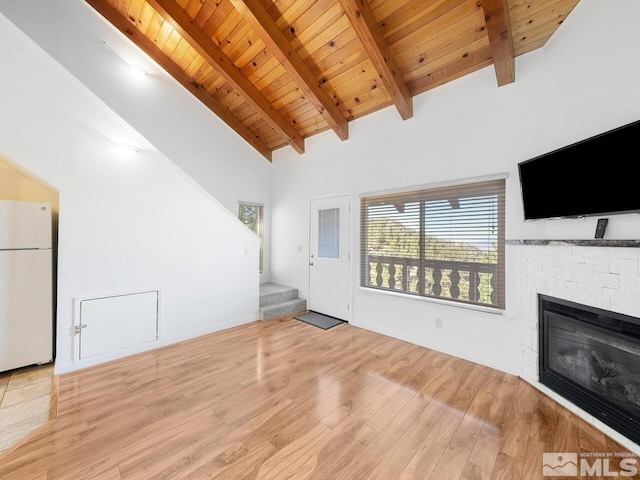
x: 448, y: 349
x: 210, y: 329
x: 67, y: 367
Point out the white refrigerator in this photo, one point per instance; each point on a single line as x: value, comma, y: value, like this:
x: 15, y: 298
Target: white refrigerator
x: 26, y: 284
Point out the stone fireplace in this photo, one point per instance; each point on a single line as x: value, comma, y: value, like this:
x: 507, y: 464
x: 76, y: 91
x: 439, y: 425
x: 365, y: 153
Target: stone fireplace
x: 598, y: 276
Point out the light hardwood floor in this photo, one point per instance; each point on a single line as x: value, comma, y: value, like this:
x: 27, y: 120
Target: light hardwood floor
x: 282, y: 399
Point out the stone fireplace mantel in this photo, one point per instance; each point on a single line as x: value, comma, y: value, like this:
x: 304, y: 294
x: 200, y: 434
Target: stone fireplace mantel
x: 580, y: 243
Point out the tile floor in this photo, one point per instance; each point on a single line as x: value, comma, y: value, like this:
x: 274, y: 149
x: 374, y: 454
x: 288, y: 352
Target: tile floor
x: 25, y: 396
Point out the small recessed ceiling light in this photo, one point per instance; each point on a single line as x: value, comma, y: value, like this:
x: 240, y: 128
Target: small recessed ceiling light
x: 138, y: 71
x: 126, y: 146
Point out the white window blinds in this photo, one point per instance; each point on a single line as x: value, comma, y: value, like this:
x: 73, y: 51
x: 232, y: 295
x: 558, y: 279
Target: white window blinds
x: 444, y: 242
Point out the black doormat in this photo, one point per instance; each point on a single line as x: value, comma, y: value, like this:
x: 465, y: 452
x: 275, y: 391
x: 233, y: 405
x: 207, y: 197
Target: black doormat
x: 319, y: 320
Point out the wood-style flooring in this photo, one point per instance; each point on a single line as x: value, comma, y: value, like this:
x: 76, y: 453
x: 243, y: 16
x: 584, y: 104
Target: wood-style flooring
x: 282, y: 399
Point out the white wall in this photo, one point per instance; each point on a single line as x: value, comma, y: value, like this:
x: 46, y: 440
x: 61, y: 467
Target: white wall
x: 170, y: 117
x: 125, y: 223
x: 581, y: 84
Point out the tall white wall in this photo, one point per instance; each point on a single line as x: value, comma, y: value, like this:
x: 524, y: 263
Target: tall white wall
x: 125, y: 223
x: 170, y: 117
x: 579, y: 85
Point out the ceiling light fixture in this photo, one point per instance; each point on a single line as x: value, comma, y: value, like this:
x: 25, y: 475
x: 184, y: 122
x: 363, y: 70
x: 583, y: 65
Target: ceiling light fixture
x: 138, y: 71
x: 126, y: 146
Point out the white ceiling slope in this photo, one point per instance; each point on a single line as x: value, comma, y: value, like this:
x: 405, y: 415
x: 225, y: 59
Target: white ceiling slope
x: 156, y: 106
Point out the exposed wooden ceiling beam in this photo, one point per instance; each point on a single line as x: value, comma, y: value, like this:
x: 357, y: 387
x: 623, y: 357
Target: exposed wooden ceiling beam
x: 370, y: 34
x: 121, y: 23
x: 206, y: 47
x: 496, y: 15
x: 254, y: 12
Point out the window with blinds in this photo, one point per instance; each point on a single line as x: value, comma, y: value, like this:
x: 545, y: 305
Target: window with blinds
x: 252, y: 216
x: 445, y: 242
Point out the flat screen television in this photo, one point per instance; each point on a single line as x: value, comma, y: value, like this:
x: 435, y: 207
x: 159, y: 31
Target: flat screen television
x: 596, y: 176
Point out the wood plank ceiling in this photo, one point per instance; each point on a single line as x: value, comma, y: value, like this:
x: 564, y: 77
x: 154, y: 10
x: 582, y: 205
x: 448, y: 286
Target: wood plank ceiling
x: 279, y: 71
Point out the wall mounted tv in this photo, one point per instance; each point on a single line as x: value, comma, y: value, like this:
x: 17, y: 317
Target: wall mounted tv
x: 596, y: 176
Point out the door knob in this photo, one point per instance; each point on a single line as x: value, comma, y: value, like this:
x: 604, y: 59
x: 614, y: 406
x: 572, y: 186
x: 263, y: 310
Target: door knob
x: 311, y: 263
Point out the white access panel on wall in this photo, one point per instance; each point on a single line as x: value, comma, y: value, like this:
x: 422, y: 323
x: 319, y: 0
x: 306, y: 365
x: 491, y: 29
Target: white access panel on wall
x: 111, y: 323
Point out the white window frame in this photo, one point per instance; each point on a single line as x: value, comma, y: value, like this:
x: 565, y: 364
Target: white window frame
x: 365, y: 282
x: 260, y: 232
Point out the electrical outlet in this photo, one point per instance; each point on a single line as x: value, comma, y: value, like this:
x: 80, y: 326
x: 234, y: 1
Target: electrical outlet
x: 438, y: 322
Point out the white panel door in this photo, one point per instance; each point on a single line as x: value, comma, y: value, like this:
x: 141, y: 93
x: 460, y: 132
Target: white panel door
x: 108, y: 324
x: 329, y: 257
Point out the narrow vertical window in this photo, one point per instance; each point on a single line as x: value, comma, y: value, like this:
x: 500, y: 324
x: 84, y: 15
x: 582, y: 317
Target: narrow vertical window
x: 252, y: 215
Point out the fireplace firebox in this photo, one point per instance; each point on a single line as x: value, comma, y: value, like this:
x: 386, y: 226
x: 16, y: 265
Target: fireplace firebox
x: 592, y: 357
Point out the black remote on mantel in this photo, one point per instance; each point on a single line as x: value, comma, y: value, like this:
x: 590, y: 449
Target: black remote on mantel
x: 601, y: 227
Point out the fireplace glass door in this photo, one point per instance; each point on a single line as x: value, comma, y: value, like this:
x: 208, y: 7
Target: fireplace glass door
x: 594, y: 361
